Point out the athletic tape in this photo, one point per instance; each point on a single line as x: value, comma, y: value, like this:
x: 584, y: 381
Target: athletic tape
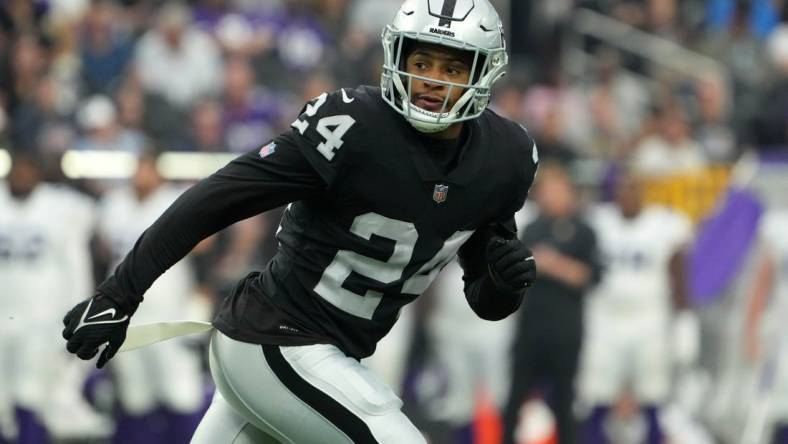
x: 143, y: 335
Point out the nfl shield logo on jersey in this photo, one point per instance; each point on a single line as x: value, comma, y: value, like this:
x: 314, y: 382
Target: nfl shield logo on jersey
x: 268, y: 149
x: 439, y: 195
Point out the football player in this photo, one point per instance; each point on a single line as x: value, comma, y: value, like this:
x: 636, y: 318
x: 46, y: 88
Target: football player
x: 167, y: 375
x: 387, y: 186
x: 44, y: 269
x: 549, y: 333
x: 764, y: 335
x: 631, y: 315
x: 468, y: 354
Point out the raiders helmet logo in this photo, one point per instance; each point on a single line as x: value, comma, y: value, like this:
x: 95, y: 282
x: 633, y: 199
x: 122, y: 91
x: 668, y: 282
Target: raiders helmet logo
x: 448, y: 11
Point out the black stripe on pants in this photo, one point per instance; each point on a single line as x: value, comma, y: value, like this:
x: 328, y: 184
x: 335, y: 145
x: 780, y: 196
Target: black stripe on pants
x: 326, y: 406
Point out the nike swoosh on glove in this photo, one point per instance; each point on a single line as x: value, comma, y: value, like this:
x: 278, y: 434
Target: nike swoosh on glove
x: 511, y: 264
x: 93, y: 323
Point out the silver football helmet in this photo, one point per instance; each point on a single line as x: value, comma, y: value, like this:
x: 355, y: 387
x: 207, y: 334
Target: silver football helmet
x: 471, y: 25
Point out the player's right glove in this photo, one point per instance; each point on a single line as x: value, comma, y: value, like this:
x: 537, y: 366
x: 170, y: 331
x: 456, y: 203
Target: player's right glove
x: 93, y: 323
x: 511, y: 264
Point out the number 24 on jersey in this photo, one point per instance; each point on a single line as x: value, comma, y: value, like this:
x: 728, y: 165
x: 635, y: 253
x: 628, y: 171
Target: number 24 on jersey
x: 331, y: 128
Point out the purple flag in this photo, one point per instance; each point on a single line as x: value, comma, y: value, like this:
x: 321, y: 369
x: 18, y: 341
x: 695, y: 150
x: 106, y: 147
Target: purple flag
x: 723, y: 242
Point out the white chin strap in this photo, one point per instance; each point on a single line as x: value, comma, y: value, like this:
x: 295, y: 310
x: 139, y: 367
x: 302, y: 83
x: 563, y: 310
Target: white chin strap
x: 427, y: 121
x: 420, y: 119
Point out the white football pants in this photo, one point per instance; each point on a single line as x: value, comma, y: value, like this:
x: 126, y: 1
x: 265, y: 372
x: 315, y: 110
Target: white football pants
x: 311, y: 394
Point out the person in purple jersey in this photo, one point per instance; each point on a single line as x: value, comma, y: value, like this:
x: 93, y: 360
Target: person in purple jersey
x: 387, y: 185
x: 251, y: 114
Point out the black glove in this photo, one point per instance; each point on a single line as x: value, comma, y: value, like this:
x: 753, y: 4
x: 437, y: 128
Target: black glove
x: 511, y: 264
x: 92, y: 323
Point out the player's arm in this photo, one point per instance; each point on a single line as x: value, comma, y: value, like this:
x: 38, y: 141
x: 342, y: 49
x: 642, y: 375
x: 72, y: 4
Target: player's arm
x: 497, y: 270
x: 303, y: 164
x: 247, y: 186
x: 498, y: 267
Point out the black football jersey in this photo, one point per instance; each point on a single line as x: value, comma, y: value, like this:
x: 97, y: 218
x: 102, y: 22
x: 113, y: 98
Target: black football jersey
x: 387, y: 223
x: 375, y: 215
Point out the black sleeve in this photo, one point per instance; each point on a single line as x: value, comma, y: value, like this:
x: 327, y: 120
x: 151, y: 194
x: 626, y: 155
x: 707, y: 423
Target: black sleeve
x: 484, y: 298
x: 251, y: 184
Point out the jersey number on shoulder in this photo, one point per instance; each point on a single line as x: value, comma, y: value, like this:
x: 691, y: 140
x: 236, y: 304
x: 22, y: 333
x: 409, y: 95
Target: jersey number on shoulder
x: 331, y: 128
x: 404, y: 236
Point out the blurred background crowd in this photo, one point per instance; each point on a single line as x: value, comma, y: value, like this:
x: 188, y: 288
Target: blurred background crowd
x: 662, y: 128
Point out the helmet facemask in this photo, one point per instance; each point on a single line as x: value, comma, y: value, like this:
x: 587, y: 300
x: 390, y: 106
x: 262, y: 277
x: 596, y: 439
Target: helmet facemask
x: 488, y: 65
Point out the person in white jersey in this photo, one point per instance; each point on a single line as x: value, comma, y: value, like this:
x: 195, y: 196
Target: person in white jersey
x: 468, y: 354
x: 387, y: 185
x: 45, y: 267
x: 765, y: 341
x: 167, y: 375
x: 627, y: 357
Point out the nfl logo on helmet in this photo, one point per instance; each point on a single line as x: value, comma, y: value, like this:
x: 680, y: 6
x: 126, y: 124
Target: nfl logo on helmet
x: 440, y: 192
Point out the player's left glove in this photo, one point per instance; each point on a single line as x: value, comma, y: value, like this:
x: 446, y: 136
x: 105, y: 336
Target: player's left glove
x: 93, y: 323
x: 511, y: 264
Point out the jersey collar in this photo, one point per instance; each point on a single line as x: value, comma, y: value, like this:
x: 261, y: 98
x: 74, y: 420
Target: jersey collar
x: 467, y: 165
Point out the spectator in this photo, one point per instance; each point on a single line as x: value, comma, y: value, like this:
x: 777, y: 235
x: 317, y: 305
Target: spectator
x: 764, y: 334
x: 370, y: 17
x: 770, y: 126
x: 38, y: 123
x: 467, y: 359
x: 550, y: 139
x: 554, y: 92
x: 251, y: 114
x: 618, y: 105
x: 98, y: 119
x: 65, y: 11
x: 28, y: 64
x: 671, y: 150
x: 302, y: 41
x: 159, y: 388
x: 508, y: 102
x: 44, y: 266
x: 713, y: 129
x: 627, y: 356
x: 244, y: 28
x: 207, y: 133
x: 177, y: 61
x: 661, y: 19
x: 743, y: 55
x: 106, y: 49
x: 314, y: 85
x: 21, y: 16
x: 550, y: 329
x: 131, y: 106
x: 760, y: 15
